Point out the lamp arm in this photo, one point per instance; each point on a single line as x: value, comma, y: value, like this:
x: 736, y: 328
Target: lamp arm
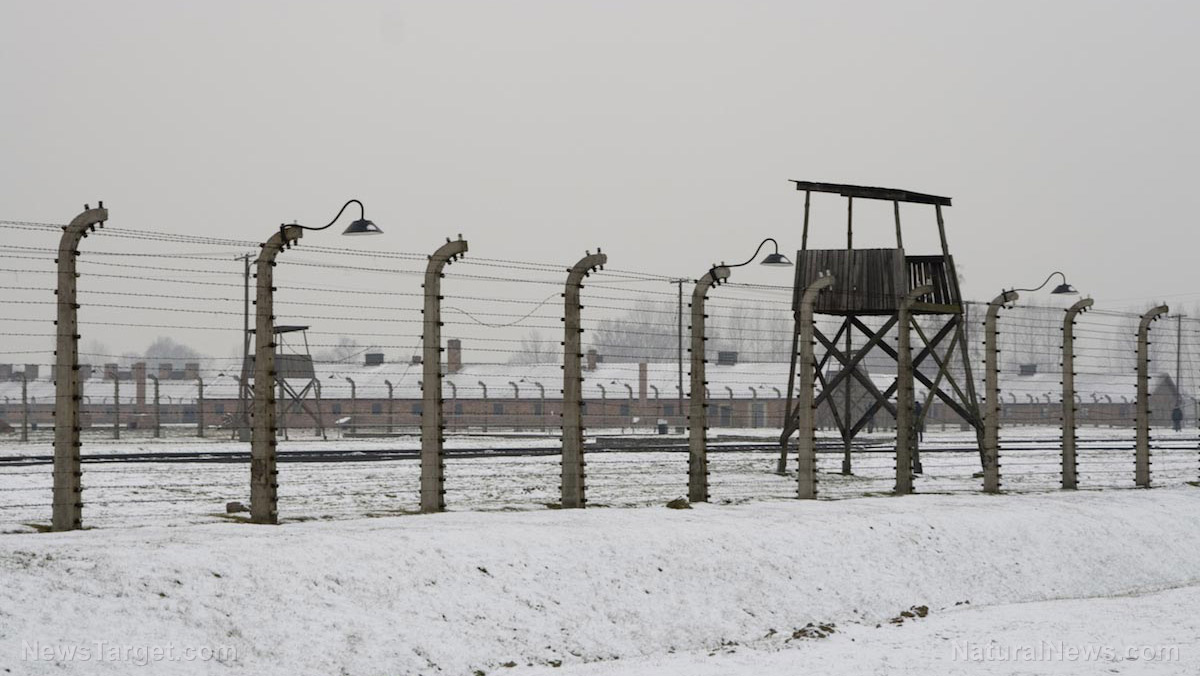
x: 756, y: 252
x: 1043, y: 285
x: 362, y: 212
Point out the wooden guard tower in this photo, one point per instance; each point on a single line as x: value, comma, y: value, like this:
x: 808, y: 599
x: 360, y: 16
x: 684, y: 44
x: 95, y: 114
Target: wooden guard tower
x: 872, y: 282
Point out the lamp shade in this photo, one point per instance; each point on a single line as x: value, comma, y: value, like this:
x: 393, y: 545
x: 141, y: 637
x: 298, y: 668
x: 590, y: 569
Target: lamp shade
x: 362, y: 227
x: 1064, y: 289
x: 776, y: 259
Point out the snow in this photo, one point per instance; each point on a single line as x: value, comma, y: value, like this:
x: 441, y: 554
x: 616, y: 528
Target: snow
x: 1144, y: 633
x: 458, y: 592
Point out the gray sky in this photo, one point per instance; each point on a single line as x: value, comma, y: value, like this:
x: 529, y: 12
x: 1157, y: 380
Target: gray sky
x: 664, y: 132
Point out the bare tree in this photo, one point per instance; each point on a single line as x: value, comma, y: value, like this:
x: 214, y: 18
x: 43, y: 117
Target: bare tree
x: 534, y: 349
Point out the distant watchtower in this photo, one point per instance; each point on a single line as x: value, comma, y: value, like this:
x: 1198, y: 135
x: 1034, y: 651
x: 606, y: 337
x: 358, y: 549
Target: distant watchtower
x: 872, y: 282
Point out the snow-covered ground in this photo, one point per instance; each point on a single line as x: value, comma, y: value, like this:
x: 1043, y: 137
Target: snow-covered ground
x: 1140, y: 633
x: 619, y: 591
x: 148, y: 493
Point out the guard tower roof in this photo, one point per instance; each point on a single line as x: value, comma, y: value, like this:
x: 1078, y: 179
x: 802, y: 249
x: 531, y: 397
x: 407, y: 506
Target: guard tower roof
x: 286, y: 328
x: 889, y: 194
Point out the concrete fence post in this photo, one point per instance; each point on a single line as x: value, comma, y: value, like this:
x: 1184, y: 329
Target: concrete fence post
x: 24, y: 407
x: 116, y: 433
x: 698, y: 396
x: 574, y: 486
x: 1069, y: 438
x: 281, y: 397
x: 1142, y: 452
x: 906, y: 432
x: 264, y: 484
x: 157, y: 409
x: 200, y: 407
x: 806, y: 367
x: 391, y: 409
x: 433, y: 425
x: 67, y: 509
x: 484, y: 419
x: 991, y: 415
x: 353, y: 406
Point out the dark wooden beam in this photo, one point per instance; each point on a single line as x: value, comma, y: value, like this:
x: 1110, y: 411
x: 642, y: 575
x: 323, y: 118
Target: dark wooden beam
x: 867, y: 192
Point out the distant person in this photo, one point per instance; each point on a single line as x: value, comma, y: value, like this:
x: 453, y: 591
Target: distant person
x: 1177, y: 418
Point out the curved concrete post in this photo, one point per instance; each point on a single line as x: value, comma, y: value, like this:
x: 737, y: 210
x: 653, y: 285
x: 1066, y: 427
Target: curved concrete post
x: 542, y: 399
x: 1142, y: 452
x: 806, y: 366
x: 906, y: 432
x: 157, y: 408
x: 353, y: 405
x: 116, y: 406
x: 264, y: 485
x: 574, y: 487
x: 483, y: 385
x: 990, y: 453
x: 24, y: 407
x: 200, y: 407
x: 67, y: 510
x: 390, y: 406
x: 433, y: 424
x: 1069, y: 461
x: 698, y: 397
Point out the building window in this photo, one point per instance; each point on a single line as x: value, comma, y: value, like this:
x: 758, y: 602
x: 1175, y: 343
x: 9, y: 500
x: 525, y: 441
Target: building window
x: 220, y: 409
x: 537, y: 408
x: 416, y: 409
x: 336, y: 408
x: 458, y: 409
x: 624, y: 411
x: 376, y: 408
x: 498, y: 409
x: 669, y: 410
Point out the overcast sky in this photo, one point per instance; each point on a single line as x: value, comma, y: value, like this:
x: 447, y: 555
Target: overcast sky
x: 664, y: 132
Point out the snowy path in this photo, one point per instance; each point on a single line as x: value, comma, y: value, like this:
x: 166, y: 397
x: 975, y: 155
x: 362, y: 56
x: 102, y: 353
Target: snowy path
x: 1152, y: 633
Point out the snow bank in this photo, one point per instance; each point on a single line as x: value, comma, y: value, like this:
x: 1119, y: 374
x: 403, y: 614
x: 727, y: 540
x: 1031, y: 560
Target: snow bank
x: 453, y: 593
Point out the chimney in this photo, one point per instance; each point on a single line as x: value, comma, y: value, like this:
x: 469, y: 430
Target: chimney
x: 642, y: 378
x: 6, y: 372
x: 592, y: 358
x: 164, y: 370
x: 191, y: 370
x: 139, y: 379
x: 110, y: 371
x: 453, y: 355
x: 31, y: 372
x: 85, y: 372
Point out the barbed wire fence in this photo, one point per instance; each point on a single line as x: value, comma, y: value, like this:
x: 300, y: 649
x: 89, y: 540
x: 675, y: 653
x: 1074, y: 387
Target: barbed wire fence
x: 349, y: 427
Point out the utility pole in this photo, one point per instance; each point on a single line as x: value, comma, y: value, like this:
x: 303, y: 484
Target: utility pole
x: 1179, y: 361
x: 679, y: 352
x: 243, y: 414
